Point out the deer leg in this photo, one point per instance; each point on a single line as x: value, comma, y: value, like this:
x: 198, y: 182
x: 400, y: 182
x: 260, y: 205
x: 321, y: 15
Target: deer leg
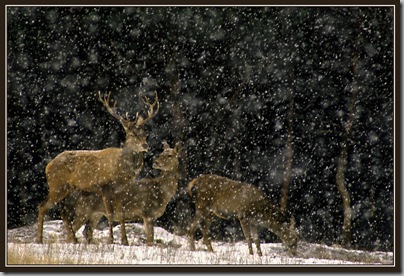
x: 43, y: 208
x: 108, y: 212
x: 205, y: 224
x: 254, y: 233
x: 191, y: 233
x: 121, y: 218
x: 88, y: 232
x: 80, y: 220
x: 124, y: 238
x: 149, y: 230
x: 52, y: 199
x: 67, y: 220
x: 247, y: 234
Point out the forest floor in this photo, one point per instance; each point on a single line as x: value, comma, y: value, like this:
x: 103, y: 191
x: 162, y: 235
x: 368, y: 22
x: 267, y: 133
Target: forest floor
x: 170, y: 249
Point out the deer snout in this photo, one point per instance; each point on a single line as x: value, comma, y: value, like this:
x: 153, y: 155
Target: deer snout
x: 145, y: 147
x: 156, y: 165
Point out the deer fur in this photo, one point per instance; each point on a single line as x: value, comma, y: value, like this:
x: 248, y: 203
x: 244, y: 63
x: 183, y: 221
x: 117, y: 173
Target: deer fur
x: 144, y: 199
x: 222, y: 197
x: 97, y: 171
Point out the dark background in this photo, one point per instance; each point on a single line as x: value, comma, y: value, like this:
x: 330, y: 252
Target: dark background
x: 225, y: 78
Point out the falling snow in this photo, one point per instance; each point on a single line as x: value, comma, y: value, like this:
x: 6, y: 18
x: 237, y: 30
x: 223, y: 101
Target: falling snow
x: 226, y: 78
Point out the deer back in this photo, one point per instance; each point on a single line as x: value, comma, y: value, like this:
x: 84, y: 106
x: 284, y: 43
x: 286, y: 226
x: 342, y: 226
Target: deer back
x: 225, y: 196
x: 83, y: 169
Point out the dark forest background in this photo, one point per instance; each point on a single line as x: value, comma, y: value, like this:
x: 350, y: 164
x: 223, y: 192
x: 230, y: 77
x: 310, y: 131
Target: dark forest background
x: 234, y: 83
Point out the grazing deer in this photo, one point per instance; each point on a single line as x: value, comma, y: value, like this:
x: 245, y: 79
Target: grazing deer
x: 146, y: 198
x: 223, y: 197
x: 98, y: 171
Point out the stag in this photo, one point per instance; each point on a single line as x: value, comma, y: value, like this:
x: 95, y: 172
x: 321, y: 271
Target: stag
x: 144, y: 199
x: 223, y: 197
x: 98, y: 171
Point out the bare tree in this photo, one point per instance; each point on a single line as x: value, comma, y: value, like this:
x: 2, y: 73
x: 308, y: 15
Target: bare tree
x: 287, y: 175
x: 340, y: 178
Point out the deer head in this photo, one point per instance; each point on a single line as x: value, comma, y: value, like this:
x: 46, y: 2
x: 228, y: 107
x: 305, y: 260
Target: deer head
x: 168, y: 159
x: 135, y: 134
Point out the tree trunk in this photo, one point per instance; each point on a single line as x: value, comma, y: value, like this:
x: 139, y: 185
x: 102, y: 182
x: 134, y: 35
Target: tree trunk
x: 346, y: 199
x: 346, y: 240
x: 178, y: 123
x: 238, y: 129
x: 288, y: 159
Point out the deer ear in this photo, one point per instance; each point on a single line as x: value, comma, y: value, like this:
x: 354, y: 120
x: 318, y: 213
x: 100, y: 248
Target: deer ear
x: 139, y: 121
x: 126, y: 125
x: 178, y: 147
x: 165, y: 144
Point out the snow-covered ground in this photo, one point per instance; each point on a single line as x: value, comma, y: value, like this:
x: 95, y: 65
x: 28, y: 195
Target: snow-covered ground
x: 170, y: 249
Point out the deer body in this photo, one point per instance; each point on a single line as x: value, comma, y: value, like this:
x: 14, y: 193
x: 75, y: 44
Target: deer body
x: 223, y: 197
x: 90, y: 170
x: 144, y: 199
x: 98, y: 171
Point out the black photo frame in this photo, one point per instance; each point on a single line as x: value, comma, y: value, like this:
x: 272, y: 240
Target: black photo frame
x: 367, y: 61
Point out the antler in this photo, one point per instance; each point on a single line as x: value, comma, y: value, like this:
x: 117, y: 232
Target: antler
x: 140, y: 122
x: 150, y: 112
x: 112, y: 111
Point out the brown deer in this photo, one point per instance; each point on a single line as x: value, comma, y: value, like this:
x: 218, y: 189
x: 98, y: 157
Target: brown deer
x: 98, y: 171
x: 145, y: 199
x: 223, y: 197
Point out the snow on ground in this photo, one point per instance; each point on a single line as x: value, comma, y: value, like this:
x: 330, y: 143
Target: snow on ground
x: 174, y: 250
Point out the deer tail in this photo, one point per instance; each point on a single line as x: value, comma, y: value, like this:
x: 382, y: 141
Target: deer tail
x: 191, y: 188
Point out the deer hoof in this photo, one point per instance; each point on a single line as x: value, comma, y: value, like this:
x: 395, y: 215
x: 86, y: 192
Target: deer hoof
x: 72, y: 240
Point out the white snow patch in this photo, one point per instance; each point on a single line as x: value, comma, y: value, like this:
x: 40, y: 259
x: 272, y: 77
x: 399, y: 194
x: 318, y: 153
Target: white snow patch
x: 170, y: 249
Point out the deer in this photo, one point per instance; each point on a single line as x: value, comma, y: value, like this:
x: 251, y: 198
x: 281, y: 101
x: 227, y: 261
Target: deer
x: 144, y: 199
x: 98, y: 171
x: 222, y: 197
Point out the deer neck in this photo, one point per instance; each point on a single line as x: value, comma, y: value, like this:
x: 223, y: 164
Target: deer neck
x: 131, y: 149
x: 169, y: 181
x: 171, y: 175
x: 130, y: 161
x: 274, y: 220
x: 132, y: 145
